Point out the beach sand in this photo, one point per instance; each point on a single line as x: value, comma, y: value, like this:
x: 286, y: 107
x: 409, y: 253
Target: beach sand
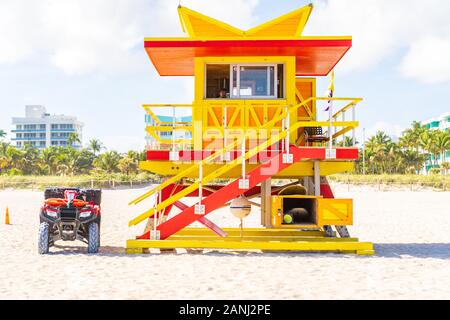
x: 411, y: 232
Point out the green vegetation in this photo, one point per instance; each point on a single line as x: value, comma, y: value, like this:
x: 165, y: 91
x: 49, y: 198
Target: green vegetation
x: 67, y: 161
x: 417, y: 148
x: 87, y: 181
x: 405, y: 180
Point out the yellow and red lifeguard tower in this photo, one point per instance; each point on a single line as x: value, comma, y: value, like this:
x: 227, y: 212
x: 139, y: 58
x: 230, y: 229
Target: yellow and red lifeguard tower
x: 253, y: 122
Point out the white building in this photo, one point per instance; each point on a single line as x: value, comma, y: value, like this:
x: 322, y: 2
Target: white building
x: 439, y: 123
x: 41, y: 129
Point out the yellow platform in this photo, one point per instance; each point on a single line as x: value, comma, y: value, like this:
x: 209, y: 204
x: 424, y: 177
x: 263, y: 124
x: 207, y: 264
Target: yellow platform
x: 255, y: 239
x: 297, y: 170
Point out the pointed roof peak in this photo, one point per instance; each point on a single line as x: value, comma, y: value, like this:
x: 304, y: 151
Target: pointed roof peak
x: 290, y: 25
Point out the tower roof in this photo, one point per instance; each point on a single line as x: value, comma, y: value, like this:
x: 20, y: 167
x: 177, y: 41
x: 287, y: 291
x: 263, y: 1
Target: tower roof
x: 208, y: 37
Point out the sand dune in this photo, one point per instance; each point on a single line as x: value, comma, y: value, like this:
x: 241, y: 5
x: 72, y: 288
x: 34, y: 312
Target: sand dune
x: 411, y: 231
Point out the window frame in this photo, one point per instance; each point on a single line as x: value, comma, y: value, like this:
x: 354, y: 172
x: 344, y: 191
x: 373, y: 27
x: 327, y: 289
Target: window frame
x: 249, y: 64
x: 238, y: 80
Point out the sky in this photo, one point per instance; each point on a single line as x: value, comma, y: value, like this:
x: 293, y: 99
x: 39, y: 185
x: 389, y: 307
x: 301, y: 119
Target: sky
x: 86, y: 58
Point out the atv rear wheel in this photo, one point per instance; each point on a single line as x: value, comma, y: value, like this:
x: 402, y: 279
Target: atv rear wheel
x: 94, y: 195
x: 44, y: 238
x: 93, y: 237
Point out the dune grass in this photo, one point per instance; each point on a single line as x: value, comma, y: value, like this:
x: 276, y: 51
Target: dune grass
x: 118, y: 180
x: 84, y: 181
x: 434, y: 181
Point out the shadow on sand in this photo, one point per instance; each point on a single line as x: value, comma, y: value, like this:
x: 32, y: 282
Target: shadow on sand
x: 383, y: 250
x: 415, y: 250
x: 106, y: 251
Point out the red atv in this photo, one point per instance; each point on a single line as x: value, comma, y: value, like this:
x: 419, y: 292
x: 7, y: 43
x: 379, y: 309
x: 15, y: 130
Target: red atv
x: 70, y: 214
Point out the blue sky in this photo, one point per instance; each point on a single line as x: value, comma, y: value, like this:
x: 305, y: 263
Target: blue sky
x: 86, y: 58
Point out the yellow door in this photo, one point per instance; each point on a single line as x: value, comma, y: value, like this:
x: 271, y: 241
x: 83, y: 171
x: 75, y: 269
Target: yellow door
x: 335, y: 212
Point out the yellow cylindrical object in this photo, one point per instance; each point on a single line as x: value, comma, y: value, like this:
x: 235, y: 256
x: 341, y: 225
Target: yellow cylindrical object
x: 277, y: 212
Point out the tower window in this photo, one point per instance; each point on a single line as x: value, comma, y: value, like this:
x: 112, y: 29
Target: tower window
x: 249, y: 81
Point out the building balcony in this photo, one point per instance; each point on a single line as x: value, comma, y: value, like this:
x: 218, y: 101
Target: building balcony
x: 63, y: 130
x: 29, y: 139
x: 28, y: 130
x: 59, y: 138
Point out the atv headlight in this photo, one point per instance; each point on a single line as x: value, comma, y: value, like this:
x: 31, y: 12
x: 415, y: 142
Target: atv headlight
x: 85, y: 214
x: 52, y: 213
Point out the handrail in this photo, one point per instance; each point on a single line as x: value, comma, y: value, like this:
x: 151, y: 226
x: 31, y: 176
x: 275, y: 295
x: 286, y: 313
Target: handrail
x: 167, y: 141
x: 352, y: 104
x: 212, y: 157
x: 169, y: 128
x: 145, y: 106
x: 230, y: 147
x: 215, y: 155
x: 194, y: 186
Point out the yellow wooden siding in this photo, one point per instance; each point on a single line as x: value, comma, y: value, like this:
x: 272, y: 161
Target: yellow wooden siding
x: 336, y: 212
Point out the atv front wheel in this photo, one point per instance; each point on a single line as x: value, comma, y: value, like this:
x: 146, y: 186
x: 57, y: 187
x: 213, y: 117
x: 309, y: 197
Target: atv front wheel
x: 93, y: 238
x: 44, y: 237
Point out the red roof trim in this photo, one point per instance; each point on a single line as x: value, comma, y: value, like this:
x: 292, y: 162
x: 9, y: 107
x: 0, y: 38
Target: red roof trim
x: 247, y: 43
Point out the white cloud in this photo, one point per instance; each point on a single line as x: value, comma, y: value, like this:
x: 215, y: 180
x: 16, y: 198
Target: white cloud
x: 381, y: 28
x: 428, y: 60
x: 81, y: 36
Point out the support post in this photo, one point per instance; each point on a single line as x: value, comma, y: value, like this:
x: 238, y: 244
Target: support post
x: 343, y: 136
x: 266, y: 205
x: 317, y: 178
x: 174, y: 155
x: 244, y: 183
x: 330, y: 127
x: 225, y: 157
x: 154, y: 234
x: 200, y: 208
x: 287, y: 156
x: 353, y: 130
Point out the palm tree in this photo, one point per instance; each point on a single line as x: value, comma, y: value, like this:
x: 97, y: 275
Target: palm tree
x: 48, y: 159
x: 348, y: 142
x: 30, y: 159
x: 442, y: 143
x: 128, y: 165
x: 74, y: 138
x: 445, y: 166
x: 427, y: 143
x: 96, y: 146
x: 377, y: 149
x: 108, y: 161
x: 2, y: 134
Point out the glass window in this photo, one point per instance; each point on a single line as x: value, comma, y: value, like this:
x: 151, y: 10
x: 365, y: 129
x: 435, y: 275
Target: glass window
x: 217, y: 81
x: 254, y: 81
x: 244, y: 81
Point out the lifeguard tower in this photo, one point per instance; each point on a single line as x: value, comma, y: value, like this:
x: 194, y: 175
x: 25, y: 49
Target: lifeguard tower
x: 252, y: 132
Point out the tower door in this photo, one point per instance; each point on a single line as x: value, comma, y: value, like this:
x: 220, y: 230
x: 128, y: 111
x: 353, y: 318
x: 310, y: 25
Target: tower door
x: 305, y: 89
